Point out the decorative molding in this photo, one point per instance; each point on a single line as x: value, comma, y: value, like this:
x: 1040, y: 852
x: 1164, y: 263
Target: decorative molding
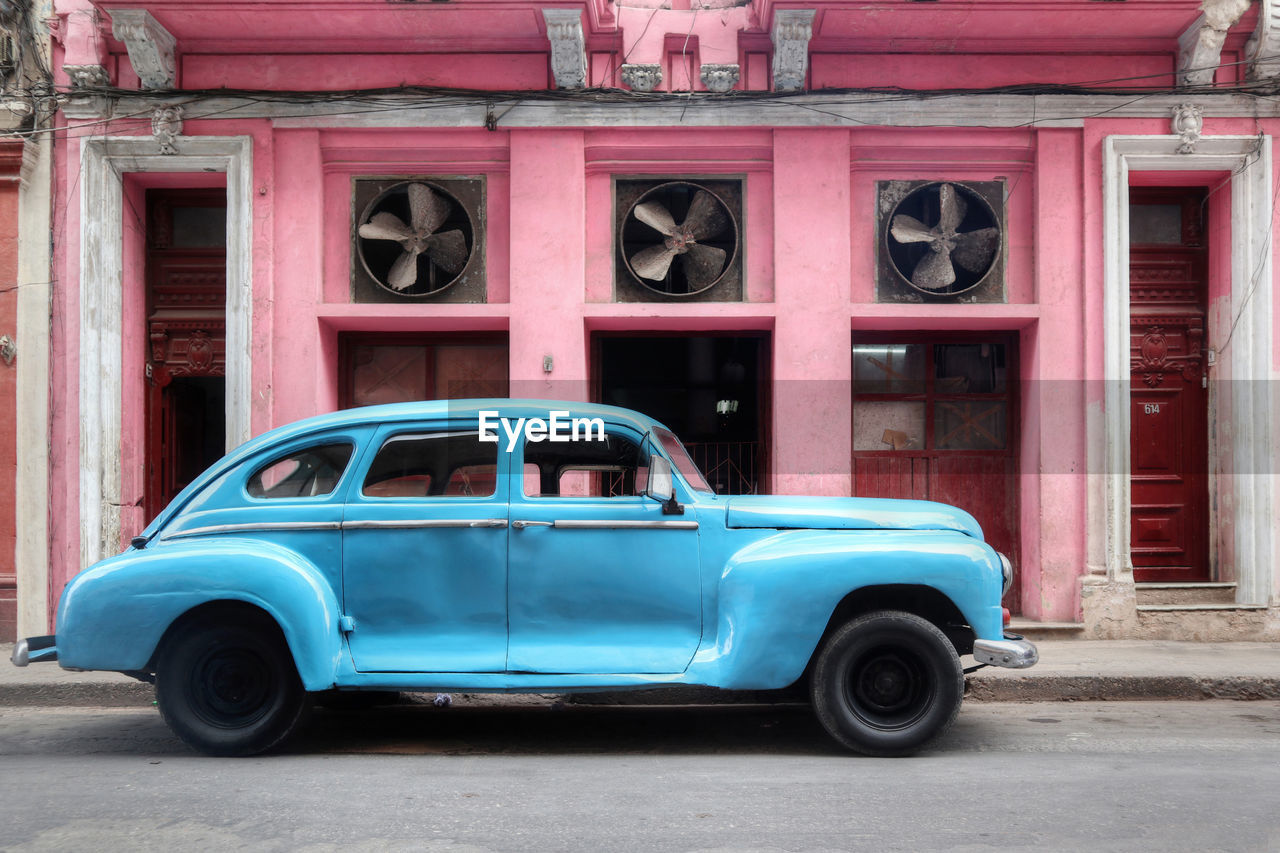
x: 104, y: 162
x: 792, y: 29
x: 1244, y: 392
x: 83, y: 106
x: 568, y: 47
x: 87, y: 76
x: 642, y: 78
x: 166, y: 127
x: 1200, y: 45
x: 720, y: 78
x: 1263, y: 48
x: 150, y: 45
x: 703, y: 109
x: 1188, y: 121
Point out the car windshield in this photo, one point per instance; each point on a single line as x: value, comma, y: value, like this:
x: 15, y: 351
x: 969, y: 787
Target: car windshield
x: 682, y: 460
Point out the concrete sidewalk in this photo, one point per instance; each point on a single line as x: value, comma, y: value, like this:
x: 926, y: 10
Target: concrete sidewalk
x: 1069, y: 670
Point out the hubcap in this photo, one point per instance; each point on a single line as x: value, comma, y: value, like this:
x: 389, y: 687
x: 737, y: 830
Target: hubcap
x: 888, y: 688
x: 231, y: 688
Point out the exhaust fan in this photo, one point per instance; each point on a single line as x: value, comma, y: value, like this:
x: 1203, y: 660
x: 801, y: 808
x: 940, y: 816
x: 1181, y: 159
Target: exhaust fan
x: 680, y: 239
x: 942, y: 240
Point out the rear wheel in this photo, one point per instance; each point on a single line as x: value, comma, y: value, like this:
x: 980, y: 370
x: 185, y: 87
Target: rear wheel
x: 887, y: 683
x: 229, y: 689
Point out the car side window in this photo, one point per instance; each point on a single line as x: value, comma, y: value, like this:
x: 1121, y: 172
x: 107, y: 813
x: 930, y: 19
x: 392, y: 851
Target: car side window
x: 611, y: 467
x: 309, y: 473
x: 438, y: 464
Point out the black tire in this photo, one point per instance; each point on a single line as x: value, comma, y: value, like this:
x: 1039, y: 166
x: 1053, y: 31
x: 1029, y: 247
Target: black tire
x: 887, y: 683
x: 230, y: 689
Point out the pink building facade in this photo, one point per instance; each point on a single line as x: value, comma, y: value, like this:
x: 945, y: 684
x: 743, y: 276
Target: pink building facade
x: 1010, y: 255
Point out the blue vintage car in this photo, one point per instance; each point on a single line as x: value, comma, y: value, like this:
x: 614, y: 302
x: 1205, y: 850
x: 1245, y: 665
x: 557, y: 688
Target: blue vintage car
x: 527, y: 546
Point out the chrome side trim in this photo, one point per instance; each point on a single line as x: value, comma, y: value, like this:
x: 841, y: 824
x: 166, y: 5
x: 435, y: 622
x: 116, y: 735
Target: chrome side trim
x: 253, y: 527
x: 606, y: 524
x: 1012, y: 653
x: 423, y: 523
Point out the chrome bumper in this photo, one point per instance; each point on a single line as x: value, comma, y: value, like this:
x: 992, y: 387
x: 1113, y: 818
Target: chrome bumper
x: 1012, y: 652
x: 34, y: 650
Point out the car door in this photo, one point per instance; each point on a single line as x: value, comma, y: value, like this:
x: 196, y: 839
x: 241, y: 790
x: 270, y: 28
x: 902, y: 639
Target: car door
x: 600, y: 580
x: 425, y: 553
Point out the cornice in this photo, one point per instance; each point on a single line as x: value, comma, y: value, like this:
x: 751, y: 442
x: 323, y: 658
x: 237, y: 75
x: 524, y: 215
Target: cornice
x: 822, y: 109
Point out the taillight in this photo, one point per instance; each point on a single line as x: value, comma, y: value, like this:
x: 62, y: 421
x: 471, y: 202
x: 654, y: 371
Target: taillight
x: 1008, y: 617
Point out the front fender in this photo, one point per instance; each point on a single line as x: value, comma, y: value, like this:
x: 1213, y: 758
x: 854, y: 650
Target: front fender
x: 777, y: 595
x: 113, y: 614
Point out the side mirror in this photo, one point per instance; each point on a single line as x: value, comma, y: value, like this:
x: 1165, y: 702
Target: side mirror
x: 661, y: 487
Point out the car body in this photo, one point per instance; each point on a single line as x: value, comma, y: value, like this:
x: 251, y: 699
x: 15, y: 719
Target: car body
x: 528, y: 546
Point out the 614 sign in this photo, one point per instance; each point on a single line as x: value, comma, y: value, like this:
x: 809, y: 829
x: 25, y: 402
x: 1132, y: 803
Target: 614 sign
x: 1151, y: 408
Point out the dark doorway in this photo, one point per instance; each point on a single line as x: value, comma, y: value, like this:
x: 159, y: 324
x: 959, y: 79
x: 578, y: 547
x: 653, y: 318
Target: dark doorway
x: 1168, y: 407
x: 186, y: 266
x: 712, y: 390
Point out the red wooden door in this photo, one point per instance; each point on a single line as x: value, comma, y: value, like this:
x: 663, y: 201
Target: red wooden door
x: 934, y: 419
x: 1168, y: 409
x: 186, y: 329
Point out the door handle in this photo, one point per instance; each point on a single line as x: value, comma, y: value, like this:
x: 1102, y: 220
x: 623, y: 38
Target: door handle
x: 521, y: 524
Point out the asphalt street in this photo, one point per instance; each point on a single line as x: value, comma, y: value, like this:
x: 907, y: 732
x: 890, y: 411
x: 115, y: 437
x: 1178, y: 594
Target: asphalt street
x: 1014, y: 776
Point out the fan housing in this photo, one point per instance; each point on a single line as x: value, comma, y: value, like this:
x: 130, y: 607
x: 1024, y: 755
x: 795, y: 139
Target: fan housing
x: 418, y: 239
x: 941, y: 241
x: 678, y: 239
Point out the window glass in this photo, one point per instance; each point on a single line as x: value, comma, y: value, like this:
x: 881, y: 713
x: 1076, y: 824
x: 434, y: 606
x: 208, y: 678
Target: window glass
x: 1159, y: 224
x: 199, y: 227
x: 969, y: 425
x: 608, y: 468
x: 312, y: 472
x: 442, y: 464
x: 686, y: 466
x: 888, y: 425
x: 888, y: 368
x: 969, y: 368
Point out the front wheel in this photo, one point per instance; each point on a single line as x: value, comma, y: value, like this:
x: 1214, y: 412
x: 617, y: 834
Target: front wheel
x: 887, y: 683
x: 229, y: 689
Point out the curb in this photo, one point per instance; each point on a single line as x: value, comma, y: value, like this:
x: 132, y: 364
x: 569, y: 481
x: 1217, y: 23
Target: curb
x: 1097, y: 688
x: 77, y: 695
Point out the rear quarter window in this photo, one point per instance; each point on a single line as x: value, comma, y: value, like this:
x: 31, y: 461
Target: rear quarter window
x: 308, y: 473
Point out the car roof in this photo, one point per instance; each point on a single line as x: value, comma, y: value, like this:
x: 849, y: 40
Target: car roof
x: 391, y: 413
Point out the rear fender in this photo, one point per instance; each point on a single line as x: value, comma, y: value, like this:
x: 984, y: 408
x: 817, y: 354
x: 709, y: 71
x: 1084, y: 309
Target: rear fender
x: 113, y: 614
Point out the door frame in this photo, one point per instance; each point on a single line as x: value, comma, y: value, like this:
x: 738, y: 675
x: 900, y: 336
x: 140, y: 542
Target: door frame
x: 1247, y: 397
x: 104, y: 163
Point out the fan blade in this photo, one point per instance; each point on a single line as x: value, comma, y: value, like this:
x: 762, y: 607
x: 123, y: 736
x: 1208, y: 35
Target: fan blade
x: 703, y: 265
x: 652, y: 263
x: 448, y: 251
x: 953, y: 208
x: 404, y: 272
x: 656, y: 217
x: 975, y: 249
x: 934, y: 271
x: 706, y: 216
x: 428, y: 208
x: 908, y: 229
x: 385, y: 226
